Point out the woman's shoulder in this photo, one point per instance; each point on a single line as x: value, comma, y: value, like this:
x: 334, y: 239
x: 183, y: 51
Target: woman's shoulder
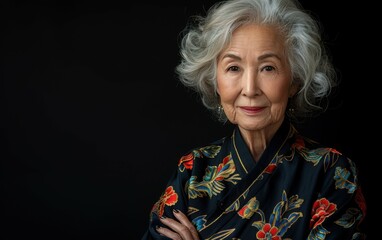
x: 317, y: 152
x: 206, y: 150
x: 202, y: 155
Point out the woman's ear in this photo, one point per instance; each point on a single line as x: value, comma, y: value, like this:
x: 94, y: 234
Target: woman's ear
x: 217, y: 89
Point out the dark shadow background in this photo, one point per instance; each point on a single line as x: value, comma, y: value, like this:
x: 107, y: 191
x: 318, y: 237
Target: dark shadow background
x: 93, y: 120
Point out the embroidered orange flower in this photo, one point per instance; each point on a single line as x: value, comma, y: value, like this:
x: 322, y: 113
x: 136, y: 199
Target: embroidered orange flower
x: 321, y: 210
x: 168, y: 198
x: 268, y: 232
x: 187, y: 161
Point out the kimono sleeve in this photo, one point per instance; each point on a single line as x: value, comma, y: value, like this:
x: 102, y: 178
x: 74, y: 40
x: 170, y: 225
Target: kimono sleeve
x: 172, y: 197
x: 340, y: 207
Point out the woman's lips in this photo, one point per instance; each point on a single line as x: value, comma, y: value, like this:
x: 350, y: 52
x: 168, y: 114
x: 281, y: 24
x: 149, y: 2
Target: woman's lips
x: 252, y: 110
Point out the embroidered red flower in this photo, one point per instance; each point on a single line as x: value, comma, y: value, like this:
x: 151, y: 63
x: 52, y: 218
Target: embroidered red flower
x: 268, y: 232
x: 270, y: 168
x: 187, y: 161
x: 243, y: 212
x: 168, y: 198
x: 223, y: 166
x: 332, y: 150
x: 321, y: 210
x: 299, y: 143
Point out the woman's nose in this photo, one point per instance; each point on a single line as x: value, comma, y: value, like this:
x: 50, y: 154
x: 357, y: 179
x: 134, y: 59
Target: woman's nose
x: 250, y: 84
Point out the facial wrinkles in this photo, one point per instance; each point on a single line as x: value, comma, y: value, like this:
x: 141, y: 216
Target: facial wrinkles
x: 232, y: 111
x: 250, y: 52
x: 255, y: 47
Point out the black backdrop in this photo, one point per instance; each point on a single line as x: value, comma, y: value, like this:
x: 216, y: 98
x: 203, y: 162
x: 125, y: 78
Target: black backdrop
x: 93, y: 120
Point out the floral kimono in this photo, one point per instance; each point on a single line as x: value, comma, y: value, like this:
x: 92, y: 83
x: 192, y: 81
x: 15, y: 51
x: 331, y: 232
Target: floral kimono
x: 297, y: 190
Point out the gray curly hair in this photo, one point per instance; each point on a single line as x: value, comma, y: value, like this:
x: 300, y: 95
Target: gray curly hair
x: 205, y: 37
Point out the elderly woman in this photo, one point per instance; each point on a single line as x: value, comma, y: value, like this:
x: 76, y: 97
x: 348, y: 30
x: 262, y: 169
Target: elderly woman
x: 260, y: 64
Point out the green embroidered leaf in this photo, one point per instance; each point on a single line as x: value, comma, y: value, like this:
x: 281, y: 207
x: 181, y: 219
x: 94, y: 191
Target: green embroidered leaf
x: 318, y: 233
x: 342, y: 180
x: 213, y: 180
x: 210, y: 151
x: 258, y: 224
x: 295, y: 202
x: 349, y: 218
x: 288, y: 222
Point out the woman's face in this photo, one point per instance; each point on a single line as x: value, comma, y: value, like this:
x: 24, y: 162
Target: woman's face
x: 254, y: 78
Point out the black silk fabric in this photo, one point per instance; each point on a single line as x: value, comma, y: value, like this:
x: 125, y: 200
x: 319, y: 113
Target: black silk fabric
x: 297, y: 190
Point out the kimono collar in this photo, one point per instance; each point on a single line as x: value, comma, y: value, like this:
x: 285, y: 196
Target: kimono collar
x: 244, y: 156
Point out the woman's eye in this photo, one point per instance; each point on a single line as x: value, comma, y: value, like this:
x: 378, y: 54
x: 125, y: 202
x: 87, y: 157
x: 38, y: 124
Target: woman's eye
x: 268, y: 68
x: 233, y: 68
